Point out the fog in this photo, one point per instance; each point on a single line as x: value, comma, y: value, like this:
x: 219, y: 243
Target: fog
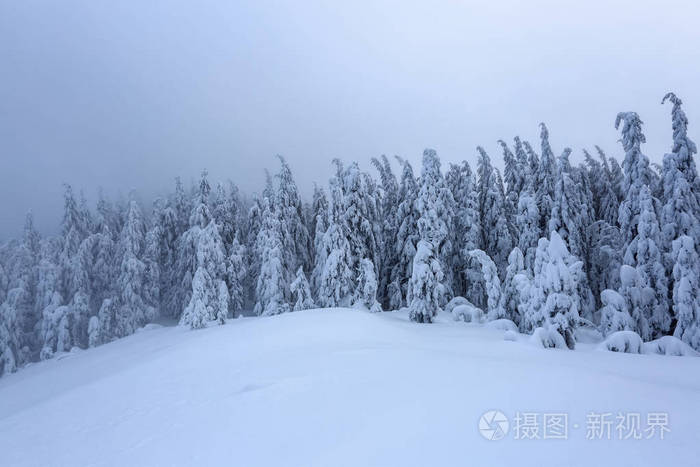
x: 130, y: 94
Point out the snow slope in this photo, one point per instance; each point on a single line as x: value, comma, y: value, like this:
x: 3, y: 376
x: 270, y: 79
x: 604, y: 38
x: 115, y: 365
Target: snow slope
x: 336, y: 388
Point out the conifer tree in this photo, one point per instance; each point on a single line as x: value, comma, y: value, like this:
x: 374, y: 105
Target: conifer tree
x: 554, y: 303
x: 686, y: 291
x: 426, y: 288
x: 389, y: 225
x: 366, y: 291
x: 644, y: 255
x: 301, y: 290
x: 467, y: 226
x: 270, y: 290
x: 296, y: 242
x: 336, y: 281
x: 236, y: 274
x: 407, y: 238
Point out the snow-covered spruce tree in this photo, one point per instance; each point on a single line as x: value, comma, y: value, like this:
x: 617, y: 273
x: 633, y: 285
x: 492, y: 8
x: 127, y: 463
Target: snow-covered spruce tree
x: 632, y: 289
x: 596, y: 178
x: 301, y: 290
x: 546, y: 179
x: 683, y: 146
x: 605, y: 258
x: 209, y: 297
x: 407, y: 238
x: 236, y: 274
x: 165, y: 223
x: 104, y: 263
x: 22, y: 294
x: 209, y: 300
x: 533, y: 162
x: 135, y: 307
x: 611, y: 195
x: 336, y: 279
x: 319, y: 208
x: 644, y: 255
x: 183, y: 207
x: 73, y: 232
x: 565, y: 217
x: 365, y: 295
x: 512, y: 176
x: 48, y: 296
x: 496, y: 238
x: 512, y: 302
x: 614, y: 315
x: 554, y: 302
x: 10, y: 327
x: 522, y: 164
x: 493, y: 285
x: 426, y: 289
x: 4, y: 280
x: 569, y: 218
x: 686, y: 291
x: 224, y: 211
x: 528, y: 225
x: 296, y: 242
x: 94, y: 331
x: 681, y: 186
x: 605, y: 203
x: 636, y: 170
x: 360, y: 217
x: 389, y: 225
x: 253, y: 256
x: 503, y: 230
x: 270, y: 291
x: 68, y: 323
x: 466, y: 234
x: 187, y: 244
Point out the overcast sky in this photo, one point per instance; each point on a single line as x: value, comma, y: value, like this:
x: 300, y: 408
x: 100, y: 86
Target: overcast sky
x: 128, y: 94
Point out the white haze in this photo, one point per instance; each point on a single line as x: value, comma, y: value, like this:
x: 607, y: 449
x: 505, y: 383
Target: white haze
x: 130, y: 94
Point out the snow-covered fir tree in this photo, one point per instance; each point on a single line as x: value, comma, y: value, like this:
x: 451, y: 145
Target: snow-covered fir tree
x: 366, y: 291
x: 336, y: 278
x: 546, y: 179
x: 466, y: 234
x: 680, y: 217
x: 426, y: 289
x: 492, y: 283
x: 270, y: 291
x: 389, y: 225
x: 643, y: 253
x: 686, y: 291
x: 514, y: 287
x: 614, y: 315
x: 360, y: 218
x: 135, y: 307
x: 296, y: 243
x: 496, y: 237
x: 319, y: 208
x: 636, y: 170
x: 301, y: 292
x: 554, y: 302
x: 235, y: 277
x: 407, y: 237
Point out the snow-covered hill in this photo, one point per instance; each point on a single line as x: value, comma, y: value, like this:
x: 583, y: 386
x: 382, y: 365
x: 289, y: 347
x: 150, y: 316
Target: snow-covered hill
x: 344, y: 388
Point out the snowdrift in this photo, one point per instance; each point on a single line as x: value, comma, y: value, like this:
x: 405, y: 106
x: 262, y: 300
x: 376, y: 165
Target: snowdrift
x: 336, y: 387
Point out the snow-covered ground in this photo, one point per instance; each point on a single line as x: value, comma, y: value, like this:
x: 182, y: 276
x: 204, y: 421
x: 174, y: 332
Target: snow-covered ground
x: 341, y: 388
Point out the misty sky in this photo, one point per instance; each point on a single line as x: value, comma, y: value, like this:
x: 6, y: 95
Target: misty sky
x: 128, y: 94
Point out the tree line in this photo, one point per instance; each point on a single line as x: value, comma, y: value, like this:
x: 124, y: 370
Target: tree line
x: 546, y: 244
